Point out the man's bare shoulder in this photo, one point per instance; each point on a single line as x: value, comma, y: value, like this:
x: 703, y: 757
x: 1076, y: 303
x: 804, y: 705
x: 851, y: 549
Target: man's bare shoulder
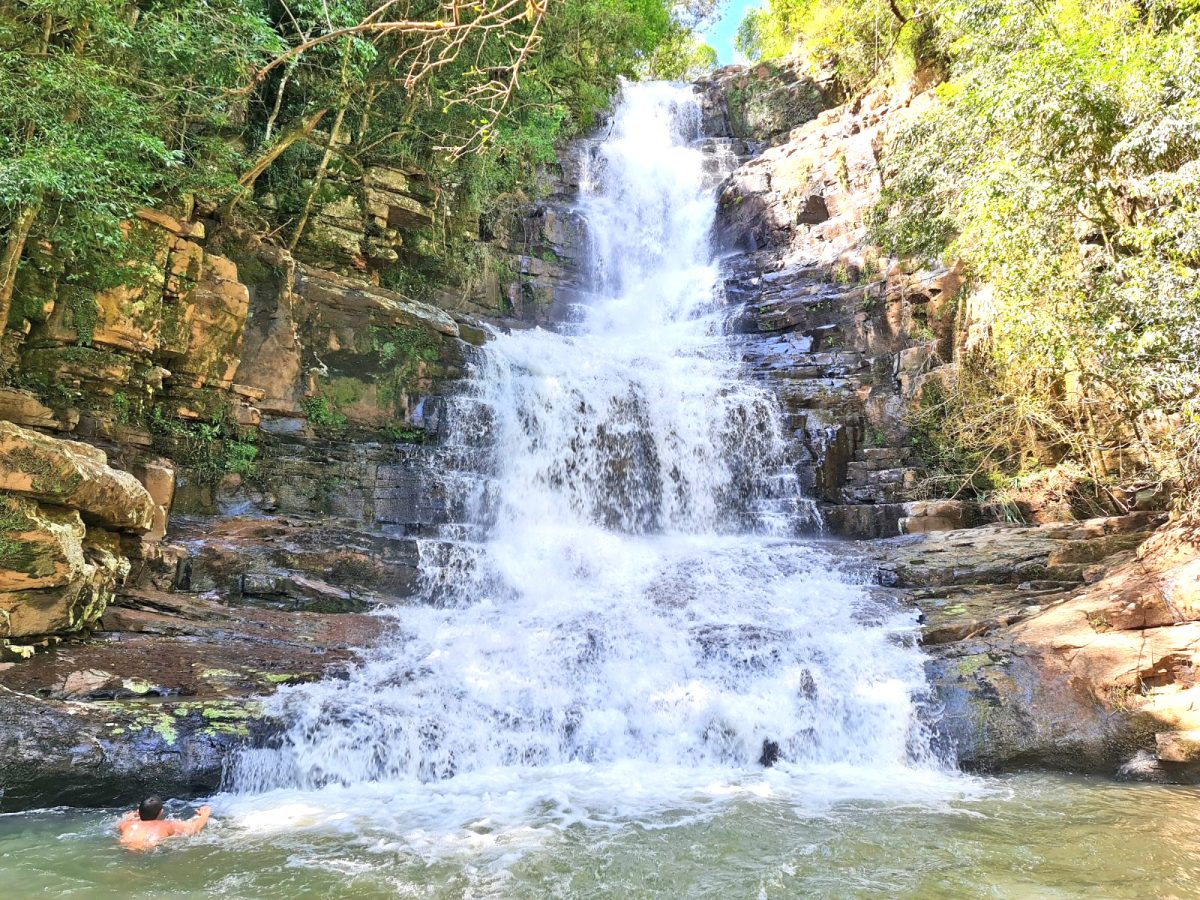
x: 139, y: 834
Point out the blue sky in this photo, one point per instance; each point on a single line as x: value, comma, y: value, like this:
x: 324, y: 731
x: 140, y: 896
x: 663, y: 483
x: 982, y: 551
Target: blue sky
x: 720, y: 35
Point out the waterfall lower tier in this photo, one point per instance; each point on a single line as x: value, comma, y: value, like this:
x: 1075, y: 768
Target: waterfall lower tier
x: 629, y: 594
x: 665, y: 650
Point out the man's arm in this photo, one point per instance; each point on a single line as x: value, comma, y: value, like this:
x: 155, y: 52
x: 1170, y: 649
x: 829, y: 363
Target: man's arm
x: 194, y: 824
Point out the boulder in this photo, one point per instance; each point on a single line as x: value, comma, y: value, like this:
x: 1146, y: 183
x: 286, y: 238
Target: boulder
x: 40, y: 547
x: 75, y: 579
x: 1178, y: 746
x: 75, y: 475
x: 163, y: 704
x: 925, y: 516
x: 158, y: 478
x: 1030, y: 665
x: 213, y: 319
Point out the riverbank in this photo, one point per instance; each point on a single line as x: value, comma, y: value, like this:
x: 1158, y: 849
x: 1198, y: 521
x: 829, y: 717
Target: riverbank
x: 158, y: 698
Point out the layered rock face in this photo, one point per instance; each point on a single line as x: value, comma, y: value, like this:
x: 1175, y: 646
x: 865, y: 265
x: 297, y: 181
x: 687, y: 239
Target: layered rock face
x: 63, y: 516
x: 1070, y: 646
x: 1066, y: 645
x: 206, y: 478
x: 846, y: 338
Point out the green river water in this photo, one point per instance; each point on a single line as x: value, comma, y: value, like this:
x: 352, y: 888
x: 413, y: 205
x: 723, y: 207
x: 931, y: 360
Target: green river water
x: 1018, y: 836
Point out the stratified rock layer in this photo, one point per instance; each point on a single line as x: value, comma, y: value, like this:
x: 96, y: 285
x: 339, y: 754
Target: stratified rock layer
x: 75, y: 475
x: 169, y: 686
x: 61, y: 560
x: 1071, y: 646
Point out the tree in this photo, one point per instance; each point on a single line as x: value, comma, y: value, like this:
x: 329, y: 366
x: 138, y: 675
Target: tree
x: 106, y: 107
x: 1063, y: 166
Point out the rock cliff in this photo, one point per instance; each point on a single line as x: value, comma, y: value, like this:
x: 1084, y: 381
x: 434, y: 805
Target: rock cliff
x: 207, y: 475
x: 1066, y: 644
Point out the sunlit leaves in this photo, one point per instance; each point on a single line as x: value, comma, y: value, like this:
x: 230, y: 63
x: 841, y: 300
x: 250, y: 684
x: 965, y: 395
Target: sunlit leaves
x: 1063, y: 166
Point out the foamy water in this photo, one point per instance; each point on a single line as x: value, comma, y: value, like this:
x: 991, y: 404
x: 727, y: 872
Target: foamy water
x: 638, y: 618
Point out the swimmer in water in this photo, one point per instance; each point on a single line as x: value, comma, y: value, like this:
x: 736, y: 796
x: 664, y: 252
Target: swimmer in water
x: 145, y: 828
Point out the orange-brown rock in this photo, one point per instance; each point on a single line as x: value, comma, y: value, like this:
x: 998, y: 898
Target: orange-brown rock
x: 40, y: 547
x: 213, y: 318
x: 72, y: 474
x: 158, y: 478
x: 1051, y: 670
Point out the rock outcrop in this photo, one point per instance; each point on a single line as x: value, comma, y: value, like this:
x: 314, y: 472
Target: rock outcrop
x: 155, y: 703
x: 209, y: 474
x: 1071, y: 646
x: 64, y: 513
x: 1062, y: 645
x: 846, y: 337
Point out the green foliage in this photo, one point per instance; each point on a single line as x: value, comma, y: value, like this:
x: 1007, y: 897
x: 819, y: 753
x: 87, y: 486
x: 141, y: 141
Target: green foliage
x: 323, y: 415
x: 84, y: 313
x: 681, y: 56
x: 402, y: 351
x: 857, y: 39
x: 106, y: 107
x: 206, y: 450
x: 406, y: 434
x: 1062, y: 164
x: 404, y: 344
x: 974, y: 434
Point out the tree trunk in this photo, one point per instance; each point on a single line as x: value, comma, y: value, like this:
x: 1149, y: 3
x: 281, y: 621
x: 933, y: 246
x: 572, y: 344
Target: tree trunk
x: 283, y: 83
x: 319, y: 180
x: 13, y: 248
x: 246, y: 182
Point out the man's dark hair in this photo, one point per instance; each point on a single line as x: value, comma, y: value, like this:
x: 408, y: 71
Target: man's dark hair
x: 150, y: 809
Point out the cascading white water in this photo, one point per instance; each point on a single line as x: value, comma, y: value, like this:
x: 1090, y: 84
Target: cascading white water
x: 638, y: 602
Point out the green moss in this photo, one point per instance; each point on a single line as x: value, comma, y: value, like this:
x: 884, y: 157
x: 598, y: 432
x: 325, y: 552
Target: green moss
x: 875, y: 437
x: 165, y: 729
x: 284, y: 678
x: 406, y: 434
x: 251, y: 269
x: 219, y: 673
x: 14, y: 514
x: 969, y: 665
x: 403, y: 349
x: 141, y: 716
x: 229, y: 717
x: 136, y: 685
x: 26, y: 557
x: 342, y: 392
x: 45, y: 476
x: 85, y: 314
x: 322, y: 415
x: 88, y: 357
x: 171, y: 324
x: 206, y: 451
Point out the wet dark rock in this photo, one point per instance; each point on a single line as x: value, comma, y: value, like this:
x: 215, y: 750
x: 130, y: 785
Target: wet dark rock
x: 159, y: 699
x: 770, y: 753
x: 1031, y: 665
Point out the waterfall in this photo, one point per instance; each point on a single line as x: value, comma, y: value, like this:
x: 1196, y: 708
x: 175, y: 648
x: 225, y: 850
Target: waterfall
x: 633, y: 592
